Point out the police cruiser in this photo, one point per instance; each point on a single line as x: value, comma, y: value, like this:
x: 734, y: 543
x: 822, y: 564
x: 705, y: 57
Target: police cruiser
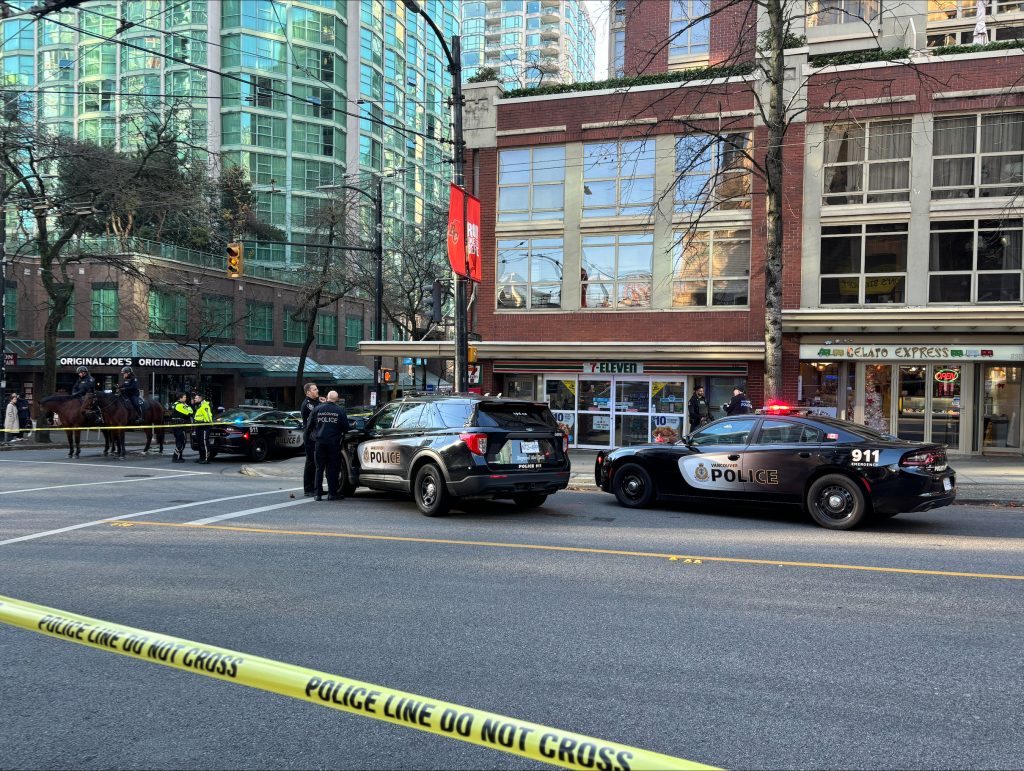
x: 838, y: 472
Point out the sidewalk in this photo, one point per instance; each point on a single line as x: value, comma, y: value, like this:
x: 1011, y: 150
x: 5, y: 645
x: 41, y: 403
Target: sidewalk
x: 981, y: 480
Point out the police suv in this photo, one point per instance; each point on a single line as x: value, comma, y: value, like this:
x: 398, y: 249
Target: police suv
x: 443, y: 448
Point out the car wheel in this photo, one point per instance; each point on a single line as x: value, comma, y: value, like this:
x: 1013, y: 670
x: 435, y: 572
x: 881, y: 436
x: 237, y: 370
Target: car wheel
x: 259, y: 450
x: 836, y: 502
x: 429, y: 491
x: 633, y: 486
x: 530, y: 500
x: 345, y: 484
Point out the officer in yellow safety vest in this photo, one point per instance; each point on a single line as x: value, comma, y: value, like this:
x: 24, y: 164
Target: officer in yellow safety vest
x: 181, y: 416
x: 203, y: 418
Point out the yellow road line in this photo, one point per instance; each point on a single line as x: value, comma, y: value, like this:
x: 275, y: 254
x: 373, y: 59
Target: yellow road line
x: 538, y: 742
x: 693, y: 559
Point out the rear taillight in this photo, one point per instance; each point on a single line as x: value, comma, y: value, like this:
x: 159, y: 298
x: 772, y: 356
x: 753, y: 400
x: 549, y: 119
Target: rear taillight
x: 565, y: 443
x: 925, y: 459
x: 477, y: 443
x: 247, y: 436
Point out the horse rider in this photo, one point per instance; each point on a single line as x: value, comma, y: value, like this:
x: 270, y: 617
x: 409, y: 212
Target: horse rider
x: 85, y: 389
x: 181, y: 415
x: 130, y: 393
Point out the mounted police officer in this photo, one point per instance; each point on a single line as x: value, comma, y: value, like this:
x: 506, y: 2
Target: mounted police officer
x: 329, y: 423
x: 130, y: 393
x: 181, y: 415
x: 85, y: 390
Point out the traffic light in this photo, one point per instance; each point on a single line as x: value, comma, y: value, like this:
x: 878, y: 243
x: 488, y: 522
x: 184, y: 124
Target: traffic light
x: 433, y: 301
x: 387, y: 376
x: 471, y: 354
x: 235, y: 254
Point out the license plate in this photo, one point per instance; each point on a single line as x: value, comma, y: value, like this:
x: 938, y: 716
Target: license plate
x: 947, y: 485
x: 529, y: 447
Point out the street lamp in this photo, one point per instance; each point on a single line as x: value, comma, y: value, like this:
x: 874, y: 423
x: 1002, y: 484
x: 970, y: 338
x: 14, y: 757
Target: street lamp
x: 378, y: 251
x: 454, y: 55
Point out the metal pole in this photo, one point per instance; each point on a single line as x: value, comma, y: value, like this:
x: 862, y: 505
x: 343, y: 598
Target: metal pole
x: 378, y: 300
x: 461, y: 318
x: 3, y: 302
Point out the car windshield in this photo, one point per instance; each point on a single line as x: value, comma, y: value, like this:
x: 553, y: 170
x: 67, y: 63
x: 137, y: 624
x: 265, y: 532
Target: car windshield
x: 512, y: 415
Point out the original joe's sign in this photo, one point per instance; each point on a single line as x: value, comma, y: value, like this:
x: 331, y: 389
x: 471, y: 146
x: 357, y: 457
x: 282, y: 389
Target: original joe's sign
x: 900, y: 352
x: 613, y: 368
x: 126, y: 361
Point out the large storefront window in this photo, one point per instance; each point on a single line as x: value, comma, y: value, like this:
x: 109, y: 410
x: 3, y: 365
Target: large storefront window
x: 878, y: 397
x: 818, y: 387
x: 1001, y: 413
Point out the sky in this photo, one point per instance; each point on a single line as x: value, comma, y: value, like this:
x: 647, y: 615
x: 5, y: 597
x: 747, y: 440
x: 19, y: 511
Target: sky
x: 599, y: 16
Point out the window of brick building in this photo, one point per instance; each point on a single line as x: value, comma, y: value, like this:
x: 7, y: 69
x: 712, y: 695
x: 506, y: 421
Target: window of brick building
x: 105, y: 310
x: 864, y: 264
x: 618, y: 178
x: 711, y: 268
x: 327, y: 330
x: 531, y: 184
x: 822, y: 12
x: 688, y: 28
x: 259, y: 322
x: 11, y: 307
x: 867, y: 162
x: 294, y: 329
x: 529, y: 273
x: 617, y: 271
x: 218, y: 319
x: 353, y: 332
x: 166, y: 313
x: 975, y: 261
x: 978, y: 155
x: 712, y: 172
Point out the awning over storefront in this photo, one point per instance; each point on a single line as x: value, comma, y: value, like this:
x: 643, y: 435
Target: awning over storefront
x: 583, y: 351
x: 287, y: 366
x: 134, y: 353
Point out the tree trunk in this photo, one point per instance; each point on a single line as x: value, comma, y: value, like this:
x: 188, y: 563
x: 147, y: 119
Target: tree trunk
x: 300, y: 371
x: 776, y: 125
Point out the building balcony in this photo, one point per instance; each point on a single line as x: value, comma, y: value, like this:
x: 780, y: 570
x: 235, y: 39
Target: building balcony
x: 550, y: 32
x: 550, y: 14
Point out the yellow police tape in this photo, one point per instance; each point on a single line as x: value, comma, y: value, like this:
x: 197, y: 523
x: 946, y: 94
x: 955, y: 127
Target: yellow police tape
x: 487, y: 729
x: 189, y: 426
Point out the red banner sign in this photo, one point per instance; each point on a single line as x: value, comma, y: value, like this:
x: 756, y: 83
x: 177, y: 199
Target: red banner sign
x: 464, y: 234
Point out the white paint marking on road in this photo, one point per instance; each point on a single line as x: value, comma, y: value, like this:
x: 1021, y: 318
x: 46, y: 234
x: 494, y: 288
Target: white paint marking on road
x: 104, y: 465
x: 232, y: 515
x: 140, y: 514
x: 86, y: 484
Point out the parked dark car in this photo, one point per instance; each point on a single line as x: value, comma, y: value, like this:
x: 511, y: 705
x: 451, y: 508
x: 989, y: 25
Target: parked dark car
x: 256, y: 432
x: 839, y: 472
x: 443, y: 448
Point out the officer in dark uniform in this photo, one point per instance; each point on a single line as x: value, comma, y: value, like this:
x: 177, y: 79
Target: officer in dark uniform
x: 86, y: 386
x: 740, y: 403
x: 329, y: 426
x: 310, y: 403
x: 181, y: 416
x: 130, y: 392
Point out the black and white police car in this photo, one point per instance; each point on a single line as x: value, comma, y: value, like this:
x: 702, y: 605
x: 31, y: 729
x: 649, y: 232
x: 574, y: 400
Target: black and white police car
x: 839, y: 472
x: 256, y: 432
x: 443, y: 448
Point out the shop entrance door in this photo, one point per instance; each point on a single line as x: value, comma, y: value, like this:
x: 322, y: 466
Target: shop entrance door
x: 594, y: 424
x: 928, y: 404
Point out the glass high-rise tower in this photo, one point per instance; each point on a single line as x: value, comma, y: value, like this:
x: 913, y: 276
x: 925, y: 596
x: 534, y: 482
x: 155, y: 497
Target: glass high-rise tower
x: 529, y: 42
x: 301, y: 93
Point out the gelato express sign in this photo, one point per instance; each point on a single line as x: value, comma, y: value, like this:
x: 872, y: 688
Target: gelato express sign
x: 900, y: 352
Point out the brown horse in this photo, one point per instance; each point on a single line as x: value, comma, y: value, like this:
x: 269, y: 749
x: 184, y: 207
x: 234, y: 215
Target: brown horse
x: 73, y: 415
x: 117, y: 413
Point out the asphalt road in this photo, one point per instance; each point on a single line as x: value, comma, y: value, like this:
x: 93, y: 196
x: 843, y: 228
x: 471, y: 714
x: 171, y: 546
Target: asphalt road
x: 738, y: 638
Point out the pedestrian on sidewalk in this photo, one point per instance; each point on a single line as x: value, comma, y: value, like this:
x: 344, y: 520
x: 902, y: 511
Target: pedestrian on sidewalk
x: 181, y: 416
x: 24, y: 417
x: 203, y: 417
x: 11, y: 424
x: 330, y: 422
x: 311, y: 402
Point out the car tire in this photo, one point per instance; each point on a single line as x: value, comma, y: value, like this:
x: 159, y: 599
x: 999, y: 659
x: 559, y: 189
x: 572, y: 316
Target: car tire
x: 259, y: 450
x: 345, y: 484
x: 430, y: 492
x: 633, y: 486
x: 836, y: 502
x: 530, y: 500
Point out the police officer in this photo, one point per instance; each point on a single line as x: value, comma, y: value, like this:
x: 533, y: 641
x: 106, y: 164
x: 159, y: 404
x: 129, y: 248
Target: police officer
x: 311, y: 402
x: 181, y: 415
x: 203, y: 417
x: 740, y: 404
x: 699, y: 409
x: 83, y: 387
x: 130, y: 391
x: 329, y: 426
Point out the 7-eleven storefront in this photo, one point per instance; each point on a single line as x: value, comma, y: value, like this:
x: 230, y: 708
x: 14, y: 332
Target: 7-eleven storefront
x: 604, y: 404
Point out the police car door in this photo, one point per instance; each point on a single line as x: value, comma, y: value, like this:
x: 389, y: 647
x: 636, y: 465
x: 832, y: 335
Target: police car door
x: 780, y: 458
x: 380, y: 461
x: 714, y: 463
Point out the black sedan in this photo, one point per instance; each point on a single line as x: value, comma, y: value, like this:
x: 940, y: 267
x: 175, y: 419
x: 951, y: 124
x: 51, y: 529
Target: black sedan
x: 255, y: 432
x: 839, y: 472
